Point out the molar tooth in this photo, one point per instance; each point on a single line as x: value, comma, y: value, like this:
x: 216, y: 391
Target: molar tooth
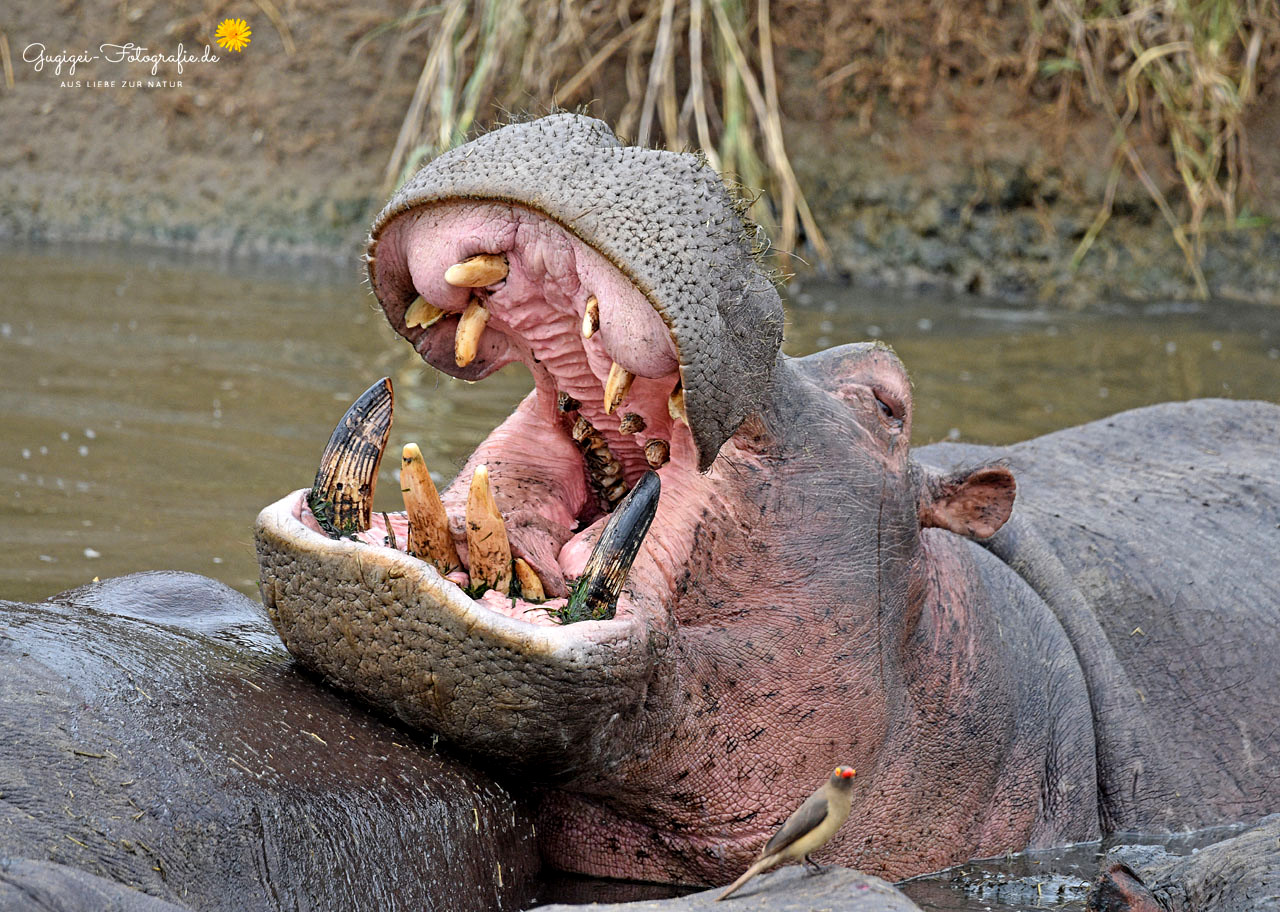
x: 478, y: 271
x: 631, y: 423
x: 470, y: 329
x: 675, y: 405
x: 566, y: 403
x: 616, y: 387
x: 429, y: 537
x: 341, y: 497
x: 420, y: 313
x: 530, y: 585
x: 656, y: 453
x: 595, y: 595
x: 591, y: 318
x: 582, y: 430
x: 487, y: 544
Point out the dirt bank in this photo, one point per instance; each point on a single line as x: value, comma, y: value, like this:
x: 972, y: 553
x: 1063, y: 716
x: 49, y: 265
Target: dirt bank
x: 280, y: 150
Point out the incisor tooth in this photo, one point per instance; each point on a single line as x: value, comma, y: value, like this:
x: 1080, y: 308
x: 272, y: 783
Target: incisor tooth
x: 675, y: 405
x: 420, y: 313
x: 429, y: 537
x: 530, y: 585
x: 477, y: 271
x: 591, y: 318
x: 470, y: 329
x: 487, y: 544
x: 616, y: 387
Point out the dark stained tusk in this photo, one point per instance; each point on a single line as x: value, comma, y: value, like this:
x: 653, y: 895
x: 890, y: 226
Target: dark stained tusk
x: 595, y: 595
x: 342, y: 495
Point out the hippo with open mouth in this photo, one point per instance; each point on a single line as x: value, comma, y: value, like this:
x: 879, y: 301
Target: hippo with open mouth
x: 689, y: 575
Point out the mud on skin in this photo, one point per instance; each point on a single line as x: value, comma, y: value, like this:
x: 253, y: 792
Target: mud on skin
x: 809, y: 592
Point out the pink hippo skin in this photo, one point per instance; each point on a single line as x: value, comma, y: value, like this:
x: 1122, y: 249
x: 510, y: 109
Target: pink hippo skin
x: 809, y: 592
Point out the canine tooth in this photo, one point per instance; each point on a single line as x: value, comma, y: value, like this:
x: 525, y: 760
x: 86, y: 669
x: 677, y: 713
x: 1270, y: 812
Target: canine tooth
x: 631, y: 423
x: 429, y: 537
x: 341, y: 497
x: 591, y: 318
x: 616, y: 387
x: 470, y: 329
x: 420, y: 313
x: 675, y: 405
x: 530, y: 585
x: 478, y: 271
x: 595, y: 595
x: 487, y: 543
x: 656, y: 453
x: 566, y: 403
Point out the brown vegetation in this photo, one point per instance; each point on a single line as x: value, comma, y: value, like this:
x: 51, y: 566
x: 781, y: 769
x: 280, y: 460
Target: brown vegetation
x: 1171, y: 75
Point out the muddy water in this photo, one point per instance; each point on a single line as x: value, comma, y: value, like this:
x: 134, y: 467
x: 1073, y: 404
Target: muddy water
x: 151, y: 405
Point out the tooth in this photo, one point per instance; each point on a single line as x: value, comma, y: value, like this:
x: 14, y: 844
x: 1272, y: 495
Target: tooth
x: 656, y: 453
x: 429, y: 537
x: 582, y: 430
x: 616, y: 387
x: 566, y: 403
x: 342, y: 495
x: 420, y: 313
x: 477, y: 271
x: 530, y: 585
x: 631, y: 423
x: 595, y: 594
x: 487, y: 544
x: 675, y: 405
x: 470, y: 329
x: 591, y: 318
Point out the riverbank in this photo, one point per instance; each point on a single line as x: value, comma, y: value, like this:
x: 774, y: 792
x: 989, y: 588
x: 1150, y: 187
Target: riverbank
x: 280, y: 151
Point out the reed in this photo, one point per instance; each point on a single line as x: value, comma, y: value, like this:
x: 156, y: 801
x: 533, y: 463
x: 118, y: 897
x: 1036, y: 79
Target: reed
x: 1174, y: 77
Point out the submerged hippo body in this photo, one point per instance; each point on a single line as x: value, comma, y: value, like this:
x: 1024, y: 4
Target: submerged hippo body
x: 159, y: 750
x: 809, y: 593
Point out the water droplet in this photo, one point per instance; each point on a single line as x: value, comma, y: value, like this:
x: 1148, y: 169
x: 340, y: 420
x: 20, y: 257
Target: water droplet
x: 953, y: 434
x: 84, y: 450
x: 91, y: 554
x: 924, y: 324
x: 90, y: 433
x: 1170, y: 348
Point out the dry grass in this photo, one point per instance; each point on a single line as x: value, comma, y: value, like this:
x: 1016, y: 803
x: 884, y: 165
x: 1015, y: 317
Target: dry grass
x: 1183, y: 72
x: 1176, y: 74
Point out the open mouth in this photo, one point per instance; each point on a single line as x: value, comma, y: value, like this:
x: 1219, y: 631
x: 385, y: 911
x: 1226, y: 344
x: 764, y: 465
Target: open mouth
x: 546, y: 520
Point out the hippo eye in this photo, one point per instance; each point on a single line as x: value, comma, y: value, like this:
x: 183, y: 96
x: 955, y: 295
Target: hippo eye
x: 890, y: 408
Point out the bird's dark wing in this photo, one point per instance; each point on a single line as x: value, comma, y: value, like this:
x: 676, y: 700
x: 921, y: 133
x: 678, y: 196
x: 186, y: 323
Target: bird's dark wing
x: 802, y: 821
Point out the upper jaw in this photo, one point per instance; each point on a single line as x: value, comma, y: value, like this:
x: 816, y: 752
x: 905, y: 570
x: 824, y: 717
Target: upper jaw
x: 662, y: 221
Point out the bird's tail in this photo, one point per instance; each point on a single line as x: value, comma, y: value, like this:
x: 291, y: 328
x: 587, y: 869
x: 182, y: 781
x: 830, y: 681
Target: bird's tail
x: 762, y: 865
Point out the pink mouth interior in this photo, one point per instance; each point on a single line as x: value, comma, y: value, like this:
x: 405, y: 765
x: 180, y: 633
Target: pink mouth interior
x: 538, y: 475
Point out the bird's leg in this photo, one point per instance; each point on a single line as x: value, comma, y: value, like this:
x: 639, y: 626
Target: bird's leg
x: 812, y: 866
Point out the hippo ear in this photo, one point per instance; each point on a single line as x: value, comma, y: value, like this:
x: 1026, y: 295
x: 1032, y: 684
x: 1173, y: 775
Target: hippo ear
x: 974, y: 503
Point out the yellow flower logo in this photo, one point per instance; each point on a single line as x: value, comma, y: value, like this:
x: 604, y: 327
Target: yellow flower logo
x: 233, y: 34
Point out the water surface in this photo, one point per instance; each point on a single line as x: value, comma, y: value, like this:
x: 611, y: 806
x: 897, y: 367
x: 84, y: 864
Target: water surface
x: 151, y: 404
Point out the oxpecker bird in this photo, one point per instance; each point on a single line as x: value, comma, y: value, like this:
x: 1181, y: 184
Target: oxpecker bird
x: 807, y: 829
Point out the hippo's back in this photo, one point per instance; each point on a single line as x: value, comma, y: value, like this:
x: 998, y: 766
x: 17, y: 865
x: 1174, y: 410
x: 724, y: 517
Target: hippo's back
x: 1154, y: 535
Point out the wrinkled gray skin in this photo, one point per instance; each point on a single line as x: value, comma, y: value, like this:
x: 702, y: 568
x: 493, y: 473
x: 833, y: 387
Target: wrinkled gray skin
x: 154, y: 735
x: 1240, y: 874
x: 815, y: 596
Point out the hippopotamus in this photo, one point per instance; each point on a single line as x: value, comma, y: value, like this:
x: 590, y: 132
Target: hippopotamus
x: 160, y: 751
x: 689, y: 575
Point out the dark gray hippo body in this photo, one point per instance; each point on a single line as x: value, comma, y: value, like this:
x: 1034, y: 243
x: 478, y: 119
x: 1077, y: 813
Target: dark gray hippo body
x: 154, y: 734
x: 1154, y: 537
x: 810, y: 592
